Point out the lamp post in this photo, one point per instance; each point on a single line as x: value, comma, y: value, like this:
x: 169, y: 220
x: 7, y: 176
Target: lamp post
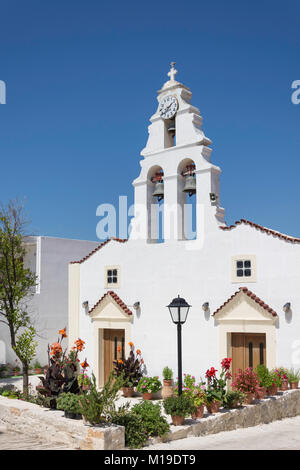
x: 179, y: 310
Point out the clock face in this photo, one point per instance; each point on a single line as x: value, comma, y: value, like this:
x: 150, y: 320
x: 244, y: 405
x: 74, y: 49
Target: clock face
x: 168, y: 107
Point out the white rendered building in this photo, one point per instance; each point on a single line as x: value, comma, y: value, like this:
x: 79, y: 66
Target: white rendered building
x: 237, y: 279
x: 48, y: 258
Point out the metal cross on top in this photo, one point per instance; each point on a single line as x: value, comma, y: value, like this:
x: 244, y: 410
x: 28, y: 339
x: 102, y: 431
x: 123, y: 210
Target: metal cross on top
x: 172, y: 72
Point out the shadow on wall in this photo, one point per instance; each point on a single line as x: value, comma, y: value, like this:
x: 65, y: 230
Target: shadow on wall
x: 2, y: 352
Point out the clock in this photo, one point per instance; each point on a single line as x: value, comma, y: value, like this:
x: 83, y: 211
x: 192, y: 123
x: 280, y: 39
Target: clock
x: 168, y: 107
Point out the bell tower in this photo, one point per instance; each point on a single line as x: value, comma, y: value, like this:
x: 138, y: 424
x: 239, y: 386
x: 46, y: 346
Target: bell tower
x: 176, y: 167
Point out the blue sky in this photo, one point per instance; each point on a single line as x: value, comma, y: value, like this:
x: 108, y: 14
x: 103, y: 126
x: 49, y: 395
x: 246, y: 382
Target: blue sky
x: 81, y: 83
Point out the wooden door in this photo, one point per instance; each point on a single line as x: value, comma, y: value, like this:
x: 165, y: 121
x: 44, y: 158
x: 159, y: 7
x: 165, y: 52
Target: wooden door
x: 114, y: 349
x: 248, y: 350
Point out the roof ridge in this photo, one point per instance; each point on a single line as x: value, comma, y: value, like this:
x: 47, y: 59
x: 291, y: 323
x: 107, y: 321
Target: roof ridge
x: 266, y: 230
x: 253, y: 296
x: 120, y: 240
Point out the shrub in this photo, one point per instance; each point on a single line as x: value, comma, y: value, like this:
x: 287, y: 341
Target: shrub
x: 233, y: 398
x: 149, y: 385
x: 293, y: 375
x: 131, y: 368
x: 167, y: 373
x: 135, y: 430
x: 69, y: 402
x: 97, y: 406
x: 246, y: 381
x: 181, y: 405
x: 154, y: 423
x: 263, y: 375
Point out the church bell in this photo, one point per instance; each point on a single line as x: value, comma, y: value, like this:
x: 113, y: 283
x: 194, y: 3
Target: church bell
x: 159, y: 190
x: 190, y: 185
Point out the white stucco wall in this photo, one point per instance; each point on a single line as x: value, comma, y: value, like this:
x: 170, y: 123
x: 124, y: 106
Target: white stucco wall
x: 156, y: 273
x: 48, y: 257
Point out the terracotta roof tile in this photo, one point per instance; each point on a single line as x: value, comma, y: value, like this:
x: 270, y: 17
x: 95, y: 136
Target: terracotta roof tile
x: 254, y: 297
x: 121, y: 240
x: 263, y: 229
x: 116, y: 298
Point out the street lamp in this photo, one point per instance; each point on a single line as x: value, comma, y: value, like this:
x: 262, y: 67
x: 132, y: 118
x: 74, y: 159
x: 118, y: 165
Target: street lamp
x: 179, y: 310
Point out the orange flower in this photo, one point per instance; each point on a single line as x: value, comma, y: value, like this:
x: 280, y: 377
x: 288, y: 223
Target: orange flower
x: 79, y: 344
x: 120, y: 361
x: 131, y: 344
x: 84, y: 364
x: 55, y: 349
x: 138, y: 351
x: 63, y: 333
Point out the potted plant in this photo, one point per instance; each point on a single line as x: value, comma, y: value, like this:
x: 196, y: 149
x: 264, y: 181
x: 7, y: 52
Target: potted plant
x: 84, y: 381
x: 233, y: 399
x: 167, y: 390
x: 179, y: 407
x: 69, y: 403
x: 293, y: 377
x: 272, y: 384
x: 263, y: 380
x: 216, y: 387
x: 199, y: 402
x: 247, y: 382
x: 131, y: 369
x: 283, y: 374
x: 37, y: 367
x: 147, y: 386
x: 16, y: 369
x: 213, y: 400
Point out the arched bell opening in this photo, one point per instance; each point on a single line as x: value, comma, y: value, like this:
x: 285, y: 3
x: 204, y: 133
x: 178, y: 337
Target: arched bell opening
x: 155, y: 205
x: 170, y: 132
x: 187, y: 194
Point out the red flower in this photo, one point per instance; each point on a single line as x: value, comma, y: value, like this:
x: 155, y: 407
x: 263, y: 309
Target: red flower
x: 226, y: 363
x: 210, y: 373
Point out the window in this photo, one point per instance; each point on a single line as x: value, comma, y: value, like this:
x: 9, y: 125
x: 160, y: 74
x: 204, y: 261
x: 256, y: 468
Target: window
x: 112, y: 277
x: 243, y: 268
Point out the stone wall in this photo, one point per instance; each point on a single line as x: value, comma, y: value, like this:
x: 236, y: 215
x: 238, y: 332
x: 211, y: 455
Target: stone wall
x: 52, y: 426
x: 285, y: 405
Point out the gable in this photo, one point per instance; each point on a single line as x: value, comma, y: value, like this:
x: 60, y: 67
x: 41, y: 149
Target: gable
x: 110, y: 307
x: 245, y: 306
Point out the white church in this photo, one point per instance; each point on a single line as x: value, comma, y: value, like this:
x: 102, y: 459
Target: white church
x: 242, y: 281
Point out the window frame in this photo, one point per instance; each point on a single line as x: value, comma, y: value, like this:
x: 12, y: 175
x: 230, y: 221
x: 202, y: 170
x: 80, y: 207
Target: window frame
x: 243, y: 279
x: 112, y: 285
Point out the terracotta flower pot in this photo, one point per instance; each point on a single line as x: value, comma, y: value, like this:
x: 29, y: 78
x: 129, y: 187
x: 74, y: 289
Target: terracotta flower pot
x: 199, y: 412
x: 249, y: 398
x: 272, y: 390
x: 294, y: 385
x: 167, y: 390
x: 38, y: 370
x: 127, y: 391
x: 147, y: 396
x: 213, y: 407
x: 285, y: 385
x: 177, y: 420
x: 260, y: 393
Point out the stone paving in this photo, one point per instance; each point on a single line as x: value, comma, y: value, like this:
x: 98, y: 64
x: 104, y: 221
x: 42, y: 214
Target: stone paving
x: 279, y: 435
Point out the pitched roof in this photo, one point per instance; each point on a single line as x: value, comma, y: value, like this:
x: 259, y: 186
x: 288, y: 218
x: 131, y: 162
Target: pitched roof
x: 116, y: 298
x: 254, y: 297
x: 263, y: 229
x: 121, y: 240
